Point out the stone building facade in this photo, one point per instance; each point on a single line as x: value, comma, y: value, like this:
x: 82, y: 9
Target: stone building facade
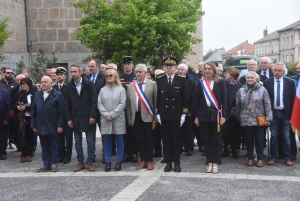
x: 51, y: 25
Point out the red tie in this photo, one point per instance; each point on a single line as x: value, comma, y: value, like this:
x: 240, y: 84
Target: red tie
x: 139, y: 102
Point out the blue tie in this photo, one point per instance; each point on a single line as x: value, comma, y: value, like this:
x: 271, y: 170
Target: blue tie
x: 93, y: 78
x: 278, y: 94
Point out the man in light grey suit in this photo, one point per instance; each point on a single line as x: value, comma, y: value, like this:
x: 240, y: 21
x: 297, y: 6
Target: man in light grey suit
x: 141, y: 99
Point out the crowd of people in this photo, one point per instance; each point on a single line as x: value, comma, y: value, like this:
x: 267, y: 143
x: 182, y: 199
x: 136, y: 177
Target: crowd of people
x: 143, y: 114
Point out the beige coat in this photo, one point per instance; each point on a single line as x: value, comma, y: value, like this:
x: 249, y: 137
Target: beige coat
x: 151, y: 93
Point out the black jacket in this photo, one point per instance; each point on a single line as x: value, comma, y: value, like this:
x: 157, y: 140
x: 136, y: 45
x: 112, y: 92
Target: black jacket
x: 80, y: 108
x: 191, y: 94
x: 99, y: 82
x: 63, y: 88
x: 220, y: 92
x: 171, y: 100
x: 9, y: 86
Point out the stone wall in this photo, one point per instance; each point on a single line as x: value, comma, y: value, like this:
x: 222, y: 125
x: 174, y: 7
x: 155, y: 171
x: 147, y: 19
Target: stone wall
x: 197, y: 48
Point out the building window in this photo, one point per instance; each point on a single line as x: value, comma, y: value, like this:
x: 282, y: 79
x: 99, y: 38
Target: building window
x: 299, y: 52
x: 282, y: 58
x: 275, y: 48
x: 292, y: 40
x: 287, y: 58
x: 283, y: 41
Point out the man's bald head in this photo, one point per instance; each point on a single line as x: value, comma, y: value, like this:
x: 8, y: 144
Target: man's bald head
x: 46, y: 83
x: 19, y: 78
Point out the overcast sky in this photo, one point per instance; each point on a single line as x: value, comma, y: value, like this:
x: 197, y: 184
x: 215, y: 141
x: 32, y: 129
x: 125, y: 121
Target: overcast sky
x: 227, y: 23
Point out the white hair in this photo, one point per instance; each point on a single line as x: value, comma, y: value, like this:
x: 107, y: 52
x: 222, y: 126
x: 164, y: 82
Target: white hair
x: 105, y: 66
x: 142, y: 66
x: 201, y: 63
x: 269, y: 60
x: 183, y: 66
x: 281, y: 64
x: 113, y: 65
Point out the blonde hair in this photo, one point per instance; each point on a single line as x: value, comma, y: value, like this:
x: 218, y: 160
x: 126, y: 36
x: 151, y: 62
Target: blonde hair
x: 116, y: 76
x: 214, y: 68
x: 193, y: 69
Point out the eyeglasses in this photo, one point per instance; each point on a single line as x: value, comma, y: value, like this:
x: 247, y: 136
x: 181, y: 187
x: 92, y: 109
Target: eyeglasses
x: 10, y: 73
x: 108, y: 76
x: 264, y: 62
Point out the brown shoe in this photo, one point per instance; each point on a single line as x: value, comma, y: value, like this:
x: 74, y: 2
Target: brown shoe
x: 79, y: 167
x: 249, y: 163
x: 260, y: 163
x: 150, y: 166
x: 142, y: 165
x: 272, y: 161
x: 288, y: 162
x: 91, y: 168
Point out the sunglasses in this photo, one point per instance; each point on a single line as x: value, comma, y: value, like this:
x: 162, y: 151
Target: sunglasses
x: 10, y: 73
x: 108, y: 76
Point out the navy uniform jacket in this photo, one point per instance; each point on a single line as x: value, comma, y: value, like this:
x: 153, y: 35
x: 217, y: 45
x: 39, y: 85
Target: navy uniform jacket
x: 289, y: 92
x: 171, y: 101
x: 191, y: 93
x: 62, y: 90
x: 127, y: 79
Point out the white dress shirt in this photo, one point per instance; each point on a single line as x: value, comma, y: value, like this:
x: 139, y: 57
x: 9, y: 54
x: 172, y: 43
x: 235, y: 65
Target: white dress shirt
x: 78, y: 86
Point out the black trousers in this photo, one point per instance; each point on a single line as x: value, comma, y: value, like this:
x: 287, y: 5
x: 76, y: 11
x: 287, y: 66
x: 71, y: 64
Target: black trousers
x: 157, y: 139
x: 27, y: 140
x: 212, y: 141
x: 231, y: 134
x: 144, y: 133
x: 187, y: 133
x: 172, y: 140
x: 3, y: 139
x: 130, y: 141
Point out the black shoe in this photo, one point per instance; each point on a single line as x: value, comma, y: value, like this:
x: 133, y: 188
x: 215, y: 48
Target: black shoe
x: 189, y: 153
x: 293, y: 157
x: 177, y: 168
x: 44, y: 169
x: 54, y: 168
x: 118, y: 166
x: 168, y: 168
x: 134, y: 158
x: 235, y: 156
x: 3, y: 157
x: 66, y: 161
x: 163, y: 160
x: 225, y: 154
x: 126, y: 158
x: 156, y: 154
x: 107, y: 167
x: 60, y: 160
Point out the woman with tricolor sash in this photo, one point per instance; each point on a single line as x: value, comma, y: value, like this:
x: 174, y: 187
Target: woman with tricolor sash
x: 210, y: 114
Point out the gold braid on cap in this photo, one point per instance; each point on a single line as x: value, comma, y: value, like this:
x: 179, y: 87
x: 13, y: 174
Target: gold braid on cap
x: 170, y: 61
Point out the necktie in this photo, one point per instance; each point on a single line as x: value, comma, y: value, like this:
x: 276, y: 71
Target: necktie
x: 265, y: 73
x: 139, y: 102
x: 278, y: 94
x: 170, y: 81
x: 93, y: 78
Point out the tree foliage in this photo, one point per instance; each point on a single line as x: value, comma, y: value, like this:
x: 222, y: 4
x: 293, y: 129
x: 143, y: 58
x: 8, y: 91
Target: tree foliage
x: 4, y: 34
x: 148, y: 30
x: 20, y: 66
x: 291, y: 67
x: 38, y: 70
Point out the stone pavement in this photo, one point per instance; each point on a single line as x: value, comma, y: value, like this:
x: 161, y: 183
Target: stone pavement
x: 235, y: 181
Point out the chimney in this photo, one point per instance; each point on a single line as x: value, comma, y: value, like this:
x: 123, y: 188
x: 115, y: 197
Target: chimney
x: 265, y: 32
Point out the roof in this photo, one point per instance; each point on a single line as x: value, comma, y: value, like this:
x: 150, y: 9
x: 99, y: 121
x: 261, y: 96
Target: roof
x: 249, y: 49
x: 291, y: 26
x: 271, y: 36
x: 216, y: 56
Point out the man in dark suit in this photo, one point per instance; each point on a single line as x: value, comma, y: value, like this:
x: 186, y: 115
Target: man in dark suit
x: 251, y: 66
x: 282, y: 94
x: 139, y: 117
x: 171, y: 111
x: 65, y: 140
x: 265, y: 70
x: 98, y: 78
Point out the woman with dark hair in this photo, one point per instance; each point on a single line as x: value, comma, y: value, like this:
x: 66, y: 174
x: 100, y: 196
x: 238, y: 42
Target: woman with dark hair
x: 150, y: 75
x: 211, y: 107
x: 22, y: 103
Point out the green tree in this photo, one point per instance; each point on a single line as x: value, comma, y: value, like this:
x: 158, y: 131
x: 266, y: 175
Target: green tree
x: 148, y: 30
x: 20, y: 66
x: 4, y: 34
x: 291, y: 66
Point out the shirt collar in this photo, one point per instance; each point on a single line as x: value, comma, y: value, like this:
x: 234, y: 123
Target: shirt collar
x: 80, y: 82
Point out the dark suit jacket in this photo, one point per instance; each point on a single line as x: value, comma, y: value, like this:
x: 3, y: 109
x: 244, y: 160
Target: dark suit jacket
x: 171, y: 101
x: 99, y: 82
x: 62, y: 90
x: 220, y: 92
x: 289, y: 92
x: 263, y: 78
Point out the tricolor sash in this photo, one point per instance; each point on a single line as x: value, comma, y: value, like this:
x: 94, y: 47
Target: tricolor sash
x: 143, y: 98
x: 211, y: 98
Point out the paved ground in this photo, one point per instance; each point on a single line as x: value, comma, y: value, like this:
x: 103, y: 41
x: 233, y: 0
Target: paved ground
x: 235, y: 181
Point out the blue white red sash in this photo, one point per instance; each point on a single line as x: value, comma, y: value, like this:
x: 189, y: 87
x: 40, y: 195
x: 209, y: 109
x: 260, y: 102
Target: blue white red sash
x: 143, y: 98
x: 211, y: 97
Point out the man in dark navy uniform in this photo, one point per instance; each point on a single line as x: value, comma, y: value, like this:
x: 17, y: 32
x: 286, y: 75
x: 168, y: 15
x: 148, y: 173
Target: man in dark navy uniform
x: 130, y: 140
x: 65, y: 139
x: 171, y: 110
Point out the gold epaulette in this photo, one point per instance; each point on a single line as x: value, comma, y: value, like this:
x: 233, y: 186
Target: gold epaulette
x: 185, y: 110
x: 161, y: 75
